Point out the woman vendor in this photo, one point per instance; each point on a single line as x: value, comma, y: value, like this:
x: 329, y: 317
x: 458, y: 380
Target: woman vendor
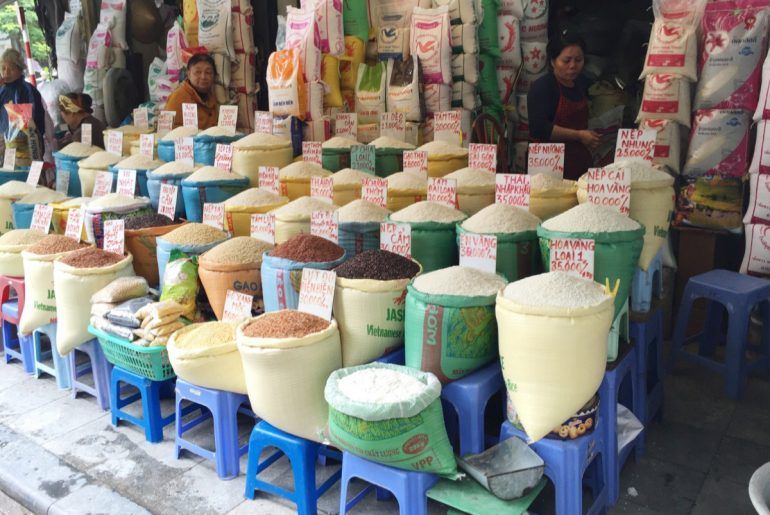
x: 16, y: 90
x: 197, y: 89
x: 75, y: 109
x: 558, y: 105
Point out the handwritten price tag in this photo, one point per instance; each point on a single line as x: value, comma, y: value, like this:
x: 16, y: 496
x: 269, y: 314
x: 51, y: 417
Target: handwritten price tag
x: 75, y: 219
x: 316, y: 292
x: 62, y: 181
x: 325, y: 225
x: 610, y: 187
x: 223, y: 157
x: 214, y: 215
x: 228, y: 118
x: 635, y: 144
x: 147, y: 145
x: 416, y: 162
x: 375, y: 190
x: 190, y: 115
x: 362, y: 158
x: 573, y: 256
x: 183, y: 150
x: 263, y: 122
x: 102, y: 184
x: 396, y: 237
x: 165, y: 122
x: 479, y: 251
x: 447, y: 126
x: 35, y: 169
x: 443, y: 191
x: 41, y: 218
x: 86, y: 132
x: 9, y: 159
x: 482, y: 157
x: 546, y: 158
x: 311, y: 152
x: 237, y: 306
x: 263, y: 227
x: 393, y: 125
x: 141, y: 118
x: 268, y: 179
x: 322, y: 188
x: 114, y: 236
x: 167, y: 200
x: 115, y: 142
x: 346, y: 125
x: 512, y: 189
x: 126, y: 182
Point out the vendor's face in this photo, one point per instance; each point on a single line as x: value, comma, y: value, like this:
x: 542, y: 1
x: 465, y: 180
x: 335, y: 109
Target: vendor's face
x: 10, y: 71
x: 69, y: 118
x: 201, y: 76
x: 568, y: 64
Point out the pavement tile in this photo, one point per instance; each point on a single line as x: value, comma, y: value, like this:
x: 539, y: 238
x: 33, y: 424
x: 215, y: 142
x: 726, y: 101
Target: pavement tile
x: 682, y: 444
x: 96, y: 500
x: 736, y: 459
x: 722, y: 496
x: 661, y: 486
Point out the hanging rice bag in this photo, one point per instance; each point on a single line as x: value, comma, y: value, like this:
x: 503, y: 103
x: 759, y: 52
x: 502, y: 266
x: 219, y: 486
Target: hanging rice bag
x: 392, y: 18
x: 314, y: 109
x: 487, y: 86
x: 533, y: 53
x: 756, y: 257
x: 760, y: 163
x: 488, y: 33
x: 735, y: 37
x: 763, y: 107
x: 354, y: 55
x: 666, y: 97
x: 460, y: 11
x: 330, y: 71
x: 355, y: 19
x: 113, y: 13
x: 510, y: 40
x: 758, y: 211
x: 190, y: 20
x: 301, y: 33
x: 215, y: 30
x: 370, y: 93
x: 285, y: 83
x: 464, y: 96
x: 403, y: 88
x: 719, y: 143
x: 431, y: 42
x: 668, y: 143
x: 464, y: 39
x: 712, y: 202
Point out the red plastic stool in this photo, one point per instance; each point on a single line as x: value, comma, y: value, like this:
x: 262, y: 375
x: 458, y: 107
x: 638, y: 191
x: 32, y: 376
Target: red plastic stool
x: 8, y: 284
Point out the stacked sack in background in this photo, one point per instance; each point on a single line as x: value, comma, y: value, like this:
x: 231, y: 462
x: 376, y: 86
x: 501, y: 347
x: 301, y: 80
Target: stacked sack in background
x: 70, y: 50
x: 243, y: 85
x: 105, y: 51
x: 513, y: 92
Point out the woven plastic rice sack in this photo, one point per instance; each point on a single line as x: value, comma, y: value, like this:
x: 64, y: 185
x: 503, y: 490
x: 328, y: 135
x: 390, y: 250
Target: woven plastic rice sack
x: 464, y: 39
x: 464, y: 96
x: 10, y: 192
x: 390, y: 414
x: 438, y: 98
x: 756, y: 257
x: 431, y: 42
x: 301, y: 33
x: 763, y: 106
x: 758, y: 211
x: 205, y: 144
x: 719, y: 143
x: 113, y: 206
x: 328, y: 17
x: 176, y: 42
x: 190, y: 19
x: 735, y: 34
x: 514, y: 7
x: 295, y: 178
x: 355, y: 19
x: 668, y: 143
x: 444, y: 158
x: 286, y: 84
x: 534, y: 24
x: 403, y: 88
x: 549, y: 377
x: 760, y: 162
x: 465, y: 67
x: 510, y: 40
x: 215, y: 29
x: 460, y: 11
x: 330, y: 71
x: 12, y: 244
x: 475, y: 189
x: 712, y: 202
x: 405, y: 189
x: 354, y: 56
x: 294, y: 217
x: 255, y: 150
x: 370, y: 93
x: 487, y: 32
x: 242, y: 72
x: 239, y: 208
x: 534, y: 56
x: 666, y: 97
x: 113, y: 13
x: 673, y: 41
x: 392, y: 20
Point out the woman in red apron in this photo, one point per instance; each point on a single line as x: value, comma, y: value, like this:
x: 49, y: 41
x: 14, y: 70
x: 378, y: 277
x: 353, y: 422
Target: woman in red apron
x: 557, y: 105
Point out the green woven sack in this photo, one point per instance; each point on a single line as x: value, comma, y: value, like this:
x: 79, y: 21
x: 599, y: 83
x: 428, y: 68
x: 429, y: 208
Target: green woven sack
x: 488, y: 35
x: 433, y: 244
x: 449, y: 336
x: 518, y: 254
x: 355, y: 19
x: 409, y: 435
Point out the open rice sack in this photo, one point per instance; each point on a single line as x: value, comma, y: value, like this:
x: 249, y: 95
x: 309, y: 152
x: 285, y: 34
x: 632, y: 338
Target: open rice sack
x: 167, y: 144
x: 392, y: 415
x: 77, y: 276
x: 549, y: 377
x: 255, y: 150
x: 274, y: 348
x: 551, y: 196
x: 239, y: 208
x: 23, y: 209
x: 359, y: 226
x: 136, y: 147
x: 67, y: 159
x: 12, y: 244
x: 444, y: 158
x: 207, y: 355
x: 142, y: 243
x: 209, y: 185
x: 618, y: 244
x: 131, y: 133
x: 112, y: 206
x: 61, y: 213
x: 652, y: 204
x: 369, y: 304
x: 193, y: 239
x: 89, y: 167
x: 335, y: 153
x: 347, y: 185
x: 475, y: 189
x: 450, y: 321
x: 295, y: 178
x: 205, y: 143
x: 294, y: 218
x: 173, y: 174
x: 405, y: 189
x: 389, y: 155
x: 10, y: 192
x: 141, y: 165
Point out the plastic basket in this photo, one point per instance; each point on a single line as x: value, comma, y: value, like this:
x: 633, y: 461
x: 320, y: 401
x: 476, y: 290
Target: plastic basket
x: 149, y: 362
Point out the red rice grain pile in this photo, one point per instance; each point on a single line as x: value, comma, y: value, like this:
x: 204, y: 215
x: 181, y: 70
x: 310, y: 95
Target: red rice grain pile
x: 285, y: 324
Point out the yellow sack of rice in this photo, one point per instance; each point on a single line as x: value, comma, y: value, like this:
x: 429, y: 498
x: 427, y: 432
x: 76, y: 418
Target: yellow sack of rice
x: 238, y: 209
x: 93, y: 164
x: 294, y: 217
x: 130, y: 134
x: 405, y: 189
x: 444, y: 158
x: 475, y: 189
x: 295, y: 178
x: 551, y: 196
x: 255, y: 150
x: 347, y: 185
x: 11, y: 192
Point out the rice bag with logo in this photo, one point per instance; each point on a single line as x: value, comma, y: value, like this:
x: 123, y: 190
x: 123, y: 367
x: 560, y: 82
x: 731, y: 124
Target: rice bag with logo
x: 302, y: 33
x: 719, y: 143
x: 403, y: 88
x: 666, y: 97
x: 285, y: 84
x: 370, y: 92
x: 508, y: 31
x: 431, y: 42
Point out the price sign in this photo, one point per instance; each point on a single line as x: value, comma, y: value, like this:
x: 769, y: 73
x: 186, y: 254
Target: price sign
x: 362, y: 158
x: 165, y: 122
x: 35, y: 169
x: 237, y: 306
x: 75, y: 219
x: 512, y: 189
x: 147, y: 145
x: 183, y: 150
x: 9, y: 159
x: 141, y: 118
x: 86, y: 132
x: 396, y: 237
x: 114, y: 236
x: 482, y: 157
x: 311, y: 152
x: 62, y: 181
x: 223, y: 157
x: 228, y: 118
x: 263, y: 122
x: 416, y: 162
x: 375, y: 190
x: 322, y: 188
x: 214, y: 215
x: 41, y: 218
x: 325, y: 224
x: 316, y: 292
x: 546, y: 158
x: 263, y: 227
x: 268, y: 179
x: 115, y: 142
x: 443, y: 191
x: 573, y: 256
x: 190, y: 115
x: 126, y: 182
x: 479, y: 251
x: 447, y: 126
x: 167, y: 200
x: 636, y: 145
x: 393, y: 125
x: 610, y: 187
x: 346, y: 125
x: 102, y: 184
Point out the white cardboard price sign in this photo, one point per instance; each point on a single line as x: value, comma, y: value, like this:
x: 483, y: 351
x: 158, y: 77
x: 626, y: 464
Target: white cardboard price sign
x: 610, y: 187
x: 115, y: 142
x: 268, y: 179
x: 86, y: 132
x: 573, y: 256
x: 75, y: 219
x: 635, y: 144
x: 447, y: 126
x: 35, y: 169
x: 416, y: 162
x: 62, y: 181
x: 167, y: 200
x: 147, y: 145
x: 393, y: 125
x: 263, y: 122
x: 141, y: 118
x: 9, y: 159
x: 237, y: 306
x: 214, y: 215
x: 316, y: 293
x: 114, y: 236
x: 228, y: 118
x: 479, y: 251
x: 375, y: 190
x: 397, y: 238
x: 183, y: 150
x: 126, y: 182
x: 165, y: 122
x: 346, y: 125
x: 325, y: 225
x: 322, y: 188
x: 41, y: 218
x: 223, y: 157
x: 482, y: 156
x: 311, y: 152
x: 263, y: 227
x: 546, y: 158
x: 443, y: 191
x: 190, y: 115
x: 512, y: 189
x: 102, y: 184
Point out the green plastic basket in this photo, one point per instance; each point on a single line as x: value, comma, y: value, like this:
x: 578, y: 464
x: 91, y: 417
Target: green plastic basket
x: 149, y: 362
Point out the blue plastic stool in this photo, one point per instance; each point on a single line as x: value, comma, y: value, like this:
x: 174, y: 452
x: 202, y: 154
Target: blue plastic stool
x: 149, y: 392
x: 97, y: 366
x: 738, y: 294
x: 16, y: 346
x: 397, y: 357
x: 60, y: 367
x: 647, y: 284
x: 609, y: 395
x: 409, y: 488
x: 469, y: 396
x: 618, y: 333
x: 647, y: 336
x: 566, y: 463
x: 302, y: 455
x: 223, y: 408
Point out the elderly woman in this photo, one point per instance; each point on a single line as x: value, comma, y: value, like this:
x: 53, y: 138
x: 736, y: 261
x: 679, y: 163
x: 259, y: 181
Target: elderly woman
x: 18, y: 91
x: 75, y: 109
x: 198, y: 89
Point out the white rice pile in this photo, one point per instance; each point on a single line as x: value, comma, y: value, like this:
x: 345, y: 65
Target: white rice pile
x: 302, y: 207
x: 216, y: 132
x: 380, y: 386
x: 16, y: 189
x: 138, y: 162
x: 175, y: 168
x: 591, y: 218
x: 501, y: 218
x: 74, y: 202
x: 439, y: 148
x: 181, y: 132
x: 428, y: 212
x: 42, y: 196
x: 212, y: 173
x: 543, y: 182
x: 641, y: 171
x: 100, y: 160
x: 388, y: 142
x: 114, y: 200
x: 407, y: 181
x: 555, y: 289
x: 303, y: 169
x: 129, y: 129
x: 459, y: 280
x: 350, y: 177
x: 254, y: 197
x: 472, y: 177
x: 261, y: 141
x: 77, y: 149
x: 339, y: 142
x: 361, y: 211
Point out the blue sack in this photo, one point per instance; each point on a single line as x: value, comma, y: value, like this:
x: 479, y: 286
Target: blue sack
x: 281, y: 280
x: 165, y: 248
x: 197, y: 193
x: 69, y: 164
x: 358, y: 237
x: 167, y: 150
x: 154, y: 182
x: 205, y: 147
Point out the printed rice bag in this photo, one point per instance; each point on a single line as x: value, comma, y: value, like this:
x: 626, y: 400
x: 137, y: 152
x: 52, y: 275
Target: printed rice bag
x: 370, y: 93
x: 175, y: 43
x: 180, y: 282
x: 513, y: 7
x: 215, y: 29
x: 510, y: 40
x: 534, y: 29
x: 330, y: 71
x: 666, y: 97
x: 464, y: 39
x: 756, y: 257
x: 354, y: 55
x: 285, y: 84
x: 712, y: 202
x: 113, y: 13
x: 431, y: 42
x: 668, y: 143
x: 719, y: 142
x: 438, y: 98
x: 328, y: 17
x: 403, y: 88
x: 22, y: 135
x: 505, y: 76
x: 533, y: 53
x: 760, y: 162
x: 302, y: 34
x: 673, y: 44
x: 460, y: 11
x: 392, y: 19
x: 355, y: 19
x: 758, y: 211
x: 464, y: 96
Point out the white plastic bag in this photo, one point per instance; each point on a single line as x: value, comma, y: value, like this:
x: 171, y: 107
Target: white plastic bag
x: 438, y: 98
x: 756, y: 258
x: 465, y: 67
x: 464, y: 39
x: 176, y: 41
x: 666, y: 97
x: 370, y: 92
x: 215, y: 29
x: 113, y: 13
x: 509, y: 35
x: 431, y: 42
x: 403, y: 88
x: 301, y: 34
x: 758, y: 211
x: 69, y: 43
x: 718, y: 143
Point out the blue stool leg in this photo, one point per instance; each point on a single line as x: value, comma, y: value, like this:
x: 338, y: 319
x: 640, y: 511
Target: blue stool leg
x: 303, y: 466
x: 711, y: 329
x: 151, y: 406
x: 252, y: 465
x: 680, y: 328
x: 37, y: 352
x: 62, y: 366
x: 226, y: 439
x: 735, y: 360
